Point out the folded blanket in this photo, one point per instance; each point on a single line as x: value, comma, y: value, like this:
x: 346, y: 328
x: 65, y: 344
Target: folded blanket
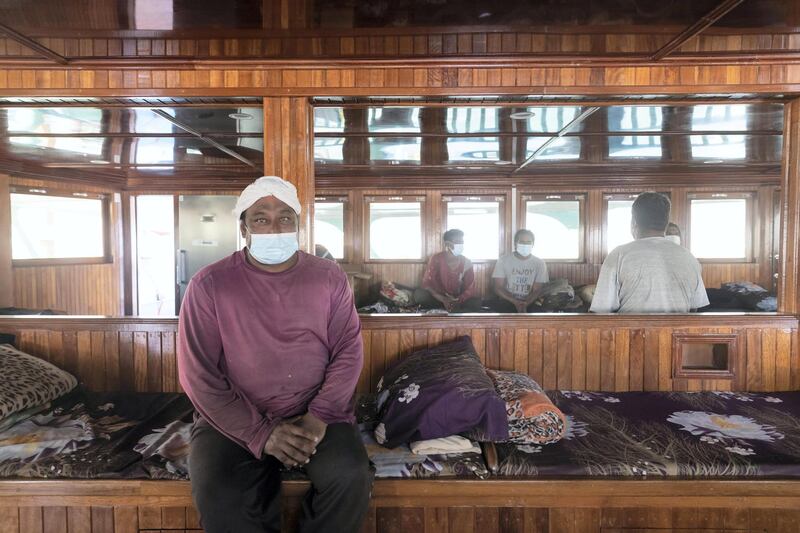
x: 532, y: 417
x: 452, y: 444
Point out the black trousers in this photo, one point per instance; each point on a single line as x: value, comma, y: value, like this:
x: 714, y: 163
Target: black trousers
x: 237, y: 493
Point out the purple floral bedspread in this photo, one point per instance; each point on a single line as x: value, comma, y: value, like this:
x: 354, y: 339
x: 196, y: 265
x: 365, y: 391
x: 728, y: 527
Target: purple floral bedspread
x: 659, y: 434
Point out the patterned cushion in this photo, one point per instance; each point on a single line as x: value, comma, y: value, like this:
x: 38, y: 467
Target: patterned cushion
x: 532, y: 417
x: 29, y: 382
x: 438, y: 392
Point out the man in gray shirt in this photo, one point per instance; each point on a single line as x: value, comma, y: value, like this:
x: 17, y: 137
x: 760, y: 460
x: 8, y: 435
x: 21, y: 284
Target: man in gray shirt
x: 651, y: 274
x: 519, y: 276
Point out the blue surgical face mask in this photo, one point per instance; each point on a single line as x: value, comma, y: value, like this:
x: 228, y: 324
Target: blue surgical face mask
x: 458, y: 249
x: 273, y: 248
x: 674, y: 238
x: 524, y: 249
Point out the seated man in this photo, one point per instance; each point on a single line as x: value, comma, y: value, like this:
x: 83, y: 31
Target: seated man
x: 650, y: 274
x: 449, y: 280
x: 673, y: 233
x: 269, y: 354
x: 518, y: 277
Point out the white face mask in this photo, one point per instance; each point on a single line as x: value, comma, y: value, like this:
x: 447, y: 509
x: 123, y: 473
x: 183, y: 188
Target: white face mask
x: 457, y: 249
x: 674, y: 238
x: 524, y: 249
x: 273, y: 248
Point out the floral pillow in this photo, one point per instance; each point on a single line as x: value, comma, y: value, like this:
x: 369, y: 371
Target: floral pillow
x: 439, y: 392
x: 532, y: 417
x: 28, y: 382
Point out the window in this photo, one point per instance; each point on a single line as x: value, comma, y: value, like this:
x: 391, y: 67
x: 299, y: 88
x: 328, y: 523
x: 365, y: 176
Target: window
x: 720, y: 226
x: 473, y: 149
x: 49, y: 225
x: 395, y: 227
x: 555, y: 221
x: 329, y: 224
x: 479, y: 219
x: 618, y: 220
x: 634, y: 119
x: 719, y: 118
x: 73, y: 121
x: 155, y: 255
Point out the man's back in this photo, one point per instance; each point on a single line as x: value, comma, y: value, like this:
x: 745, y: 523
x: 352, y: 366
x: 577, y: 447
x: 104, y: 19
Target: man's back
x: 650, y: 275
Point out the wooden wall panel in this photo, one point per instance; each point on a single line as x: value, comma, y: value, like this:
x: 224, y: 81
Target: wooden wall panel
x: 81, y: 289
x: 6, y: 270
x: 571, y: 352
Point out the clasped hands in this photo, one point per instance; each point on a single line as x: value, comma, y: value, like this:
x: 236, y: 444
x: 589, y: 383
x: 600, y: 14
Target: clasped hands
x: 294, y: 441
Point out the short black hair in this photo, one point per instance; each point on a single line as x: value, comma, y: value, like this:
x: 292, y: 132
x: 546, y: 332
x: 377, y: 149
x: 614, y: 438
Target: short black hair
x: 521, y: 232
x: 673, y: 229
x: 451, y: 234
x: 651, y: 210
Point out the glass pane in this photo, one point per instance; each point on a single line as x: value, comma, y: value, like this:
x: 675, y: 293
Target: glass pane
x: 719, y: 228
x: 480, y: 222
x: 44, y: 227
x: 393, y: 119
x: 329, y: 119
x: 634, y: 146
x: 395, y: 148
x: 561, y: 148
x: 618, y: 227
x: 556, y: 227
x: 472, y: 119
x: 153, y: 150
x: 551, y: 119
x: 635, y: 118
x: 395, y: 230
x: 474, y: 149
x: 55, y: 120
x: 329, y: 227
x: 155, y: 255
x: 718, y: 146
x: 329, y: 148
x: 719, y: 117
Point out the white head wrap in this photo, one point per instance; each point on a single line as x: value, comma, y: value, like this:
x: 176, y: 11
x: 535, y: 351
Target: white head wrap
x: 267, y: 186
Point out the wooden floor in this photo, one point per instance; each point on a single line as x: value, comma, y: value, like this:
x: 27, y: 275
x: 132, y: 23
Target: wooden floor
x: 432, y: 506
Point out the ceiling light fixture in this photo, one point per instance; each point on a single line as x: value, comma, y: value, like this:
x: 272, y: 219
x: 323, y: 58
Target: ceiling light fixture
x: 98, y: 162
x: 522, y: 115
x: 713, y: 161
x: 241, y: 116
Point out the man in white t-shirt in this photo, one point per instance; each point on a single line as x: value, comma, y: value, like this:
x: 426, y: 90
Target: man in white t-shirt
x: 651, y: 274
x: 519, y: 276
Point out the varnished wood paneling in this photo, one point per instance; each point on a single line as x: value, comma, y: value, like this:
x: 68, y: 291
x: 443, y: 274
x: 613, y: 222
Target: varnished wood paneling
x: 575, y: 352
x: 6, y: 271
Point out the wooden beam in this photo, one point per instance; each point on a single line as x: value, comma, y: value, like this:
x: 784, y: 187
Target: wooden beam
x: 6, y: 270
x: 789, y: 275
x: 166, y: 116
x: 695, y: 29
x: 40, y: 49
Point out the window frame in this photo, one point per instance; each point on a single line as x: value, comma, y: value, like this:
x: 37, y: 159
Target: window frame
x: 105, y: 210
x: 501, y: 213
x: 581, y: 197
x: 367, y: 226
x: 750, y: 236
x: 337, y: 198
x: 604, y: 251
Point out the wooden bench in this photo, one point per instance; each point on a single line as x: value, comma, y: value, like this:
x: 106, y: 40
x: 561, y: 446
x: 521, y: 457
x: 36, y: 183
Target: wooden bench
x: 563, y: 351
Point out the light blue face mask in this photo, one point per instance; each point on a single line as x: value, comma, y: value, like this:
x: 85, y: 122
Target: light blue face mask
x: 273, y: 248
x: 524, y: 249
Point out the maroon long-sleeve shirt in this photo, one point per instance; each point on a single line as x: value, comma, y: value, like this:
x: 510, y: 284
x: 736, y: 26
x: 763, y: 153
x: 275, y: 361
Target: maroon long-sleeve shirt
x: 257, y: 347
x: 459, y: 283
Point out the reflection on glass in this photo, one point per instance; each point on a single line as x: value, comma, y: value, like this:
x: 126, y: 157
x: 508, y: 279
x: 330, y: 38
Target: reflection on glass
x: 634, y: 119
x: 472, y: 119
x: 480, y: 222
x: 551, y: 119
x: 393, y: 119
x: 561, y: 148
x: 618, y: 223
x: 556, y: 227
x: 152, y: 150
x: 68, y: 120
x: 155, y: 255
x: 474, y: 149
x: 395, y: 230
x: 329, y: 148
x: 329, y: 227
x: 720, y: 117
x: 44, y: 227
x: 395, y: 148
x: 719, y: 228
x: 718, y: 146
x: 328, y: 119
